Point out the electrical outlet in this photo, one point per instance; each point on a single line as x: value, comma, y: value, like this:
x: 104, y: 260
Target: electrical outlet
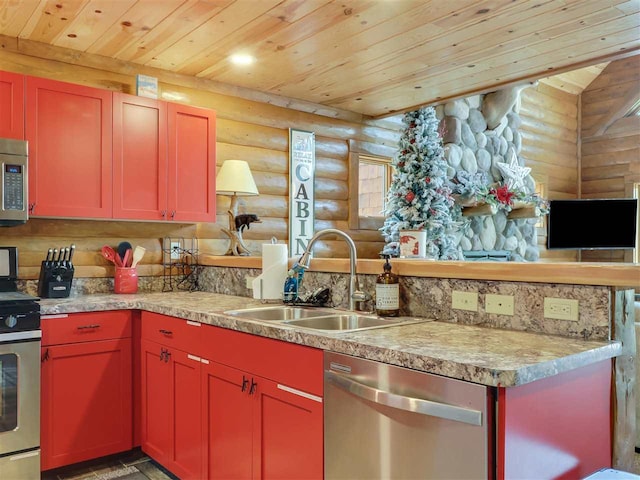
x: 464, y: 300
x: 249, y: 281
x: 175, y: 250
x: 561, y: 308
x: 500, y: 304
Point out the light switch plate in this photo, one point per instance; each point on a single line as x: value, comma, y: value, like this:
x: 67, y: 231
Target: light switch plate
x: 249, y: 281
x: 500, y: 304
x: 464, y: 300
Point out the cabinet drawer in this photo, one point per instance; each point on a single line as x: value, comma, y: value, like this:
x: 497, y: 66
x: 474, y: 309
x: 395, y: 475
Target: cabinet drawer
x: 173, y: 332
x: 293, y: 365
x: 85, y: 327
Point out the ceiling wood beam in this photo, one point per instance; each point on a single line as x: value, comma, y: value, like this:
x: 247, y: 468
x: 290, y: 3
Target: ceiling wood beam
x: 614, y: 114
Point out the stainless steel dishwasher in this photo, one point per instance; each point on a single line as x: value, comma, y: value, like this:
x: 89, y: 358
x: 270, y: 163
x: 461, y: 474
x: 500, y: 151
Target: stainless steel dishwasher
x: 383, y: 421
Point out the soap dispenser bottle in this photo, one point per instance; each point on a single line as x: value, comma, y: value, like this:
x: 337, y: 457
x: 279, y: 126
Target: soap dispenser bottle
x: 387, y: 292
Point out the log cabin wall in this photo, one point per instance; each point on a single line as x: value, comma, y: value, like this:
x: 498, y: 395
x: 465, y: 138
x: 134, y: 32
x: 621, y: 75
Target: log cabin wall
x: 550, y: 148
x: 611, y: 141
x: 255, y: 130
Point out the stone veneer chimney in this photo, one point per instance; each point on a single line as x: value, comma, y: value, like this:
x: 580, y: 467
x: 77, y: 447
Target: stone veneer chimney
x: 472, y: 145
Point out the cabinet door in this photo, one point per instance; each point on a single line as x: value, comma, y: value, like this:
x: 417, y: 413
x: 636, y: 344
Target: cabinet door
x: 192, y: 164
x: 139, y: 158
x: 85, y: 401
x: 155, y: 401
x: 227, y: 421
x: 69, y: 132
x: 288, y: 432
x: 185, y: 416
x: 12, y: 105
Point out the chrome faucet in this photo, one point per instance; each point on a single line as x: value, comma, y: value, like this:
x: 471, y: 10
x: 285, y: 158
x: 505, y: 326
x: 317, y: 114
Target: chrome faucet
x: 355, y: 295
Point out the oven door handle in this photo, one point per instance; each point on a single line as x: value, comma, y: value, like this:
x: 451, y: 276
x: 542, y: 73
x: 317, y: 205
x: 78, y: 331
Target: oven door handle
x: 401, y: 402
x: 14, y: 336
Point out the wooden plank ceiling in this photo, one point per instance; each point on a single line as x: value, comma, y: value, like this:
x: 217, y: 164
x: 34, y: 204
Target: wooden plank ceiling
x: 373, y: 57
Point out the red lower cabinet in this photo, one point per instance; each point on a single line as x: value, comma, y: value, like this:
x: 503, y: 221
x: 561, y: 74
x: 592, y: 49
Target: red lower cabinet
x: 214, y: 408
x: 227, y: 416
x: 171, y: 415
x: 287, y: 427
x: 257, y: 428
x: 86, y: 401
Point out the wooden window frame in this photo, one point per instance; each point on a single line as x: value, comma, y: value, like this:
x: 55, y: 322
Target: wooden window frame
x: 356, y: 221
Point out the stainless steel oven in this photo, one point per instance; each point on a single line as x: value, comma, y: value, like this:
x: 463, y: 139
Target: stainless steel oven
x: 20, y: 339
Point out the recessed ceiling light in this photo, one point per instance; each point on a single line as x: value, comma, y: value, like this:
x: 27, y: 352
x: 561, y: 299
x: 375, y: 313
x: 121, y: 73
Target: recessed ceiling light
x: 242, y: 59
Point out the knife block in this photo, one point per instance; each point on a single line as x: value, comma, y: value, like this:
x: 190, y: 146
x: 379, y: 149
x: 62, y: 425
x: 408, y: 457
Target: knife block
x: 55, y: 280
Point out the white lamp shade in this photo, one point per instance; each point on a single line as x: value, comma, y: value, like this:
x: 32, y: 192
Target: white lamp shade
x: 235, y: 177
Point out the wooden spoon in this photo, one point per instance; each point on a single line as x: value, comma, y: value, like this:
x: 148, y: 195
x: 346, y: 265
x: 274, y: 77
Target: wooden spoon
x: 138, y: 253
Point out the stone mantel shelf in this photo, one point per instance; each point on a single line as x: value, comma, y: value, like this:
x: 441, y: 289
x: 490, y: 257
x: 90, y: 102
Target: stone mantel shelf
x: 608, y: 274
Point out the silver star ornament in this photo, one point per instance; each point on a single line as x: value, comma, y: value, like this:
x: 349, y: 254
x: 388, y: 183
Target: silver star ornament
x: 513, y: 174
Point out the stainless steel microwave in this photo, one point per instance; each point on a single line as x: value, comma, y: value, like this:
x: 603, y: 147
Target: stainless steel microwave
x: 14, y: 184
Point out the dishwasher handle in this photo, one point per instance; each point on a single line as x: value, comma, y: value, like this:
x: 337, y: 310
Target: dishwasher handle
x: 401, y: 402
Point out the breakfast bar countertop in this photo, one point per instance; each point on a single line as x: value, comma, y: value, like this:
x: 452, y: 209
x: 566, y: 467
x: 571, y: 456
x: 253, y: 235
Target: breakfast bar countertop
x: 488, y: 356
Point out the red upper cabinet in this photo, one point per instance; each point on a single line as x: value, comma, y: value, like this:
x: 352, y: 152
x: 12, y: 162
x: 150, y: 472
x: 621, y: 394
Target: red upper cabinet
x: 69, y: 132
x: 11, y: 105
x: 192, y: 164
x: 139, y: 158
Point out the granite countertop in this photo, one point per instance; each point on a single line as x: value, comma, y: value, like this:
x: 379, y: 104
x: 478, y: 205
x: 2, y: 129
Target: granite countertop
x: 477, y: 354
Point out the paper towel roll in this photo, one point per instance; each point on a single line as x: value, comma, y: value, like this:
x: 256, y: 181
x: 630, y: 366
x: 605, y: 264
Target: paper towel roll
x: 269, y: 285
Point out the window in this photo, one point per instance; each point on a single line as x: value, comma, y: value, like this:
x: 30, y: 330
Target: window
x: 634, y: 110
x: 541, y: 191
x: 374, y: 178
x: 369, y: 180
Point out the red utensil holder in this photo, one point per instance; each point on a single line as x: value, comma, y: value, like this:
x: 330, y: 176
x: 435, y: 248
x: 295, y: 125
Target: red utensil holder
x: 125, y: 280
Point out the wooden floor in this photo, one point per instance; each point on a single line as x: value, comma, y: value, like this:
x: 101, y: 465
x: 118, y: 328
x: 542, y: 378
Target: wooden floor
x: 133, y: 465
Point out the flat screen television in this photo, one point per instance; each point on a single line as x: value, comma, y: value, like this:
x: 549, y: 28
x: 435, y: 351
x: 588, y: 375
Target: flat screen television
x: 592, y: 223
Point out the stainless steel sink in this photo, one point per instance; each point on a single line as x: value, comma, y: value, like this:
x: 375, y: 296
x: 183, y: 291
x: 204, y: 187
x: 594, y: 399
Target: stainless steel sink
x: 344, y: 322
x: 279, y: 313
x: 320, y: 319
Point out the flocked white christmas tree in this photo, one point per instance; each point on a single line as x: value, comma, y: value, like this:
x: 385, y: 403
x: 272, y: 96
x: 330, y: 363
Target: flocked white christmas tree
x: 420, y: 196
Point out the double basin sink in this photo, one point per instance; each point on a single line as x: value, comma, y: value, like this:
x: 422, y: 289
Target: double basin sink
x: 322, y: 319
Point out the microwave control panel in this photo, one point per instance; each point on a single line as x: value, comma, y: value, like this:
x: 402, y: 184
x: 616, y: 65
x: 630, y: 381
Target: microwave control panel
x: 13, y: 187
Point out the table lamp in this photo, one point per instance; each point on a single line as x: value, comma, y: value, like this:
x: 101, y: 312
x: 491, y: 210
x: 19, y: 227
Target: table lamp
x: 235, y: 179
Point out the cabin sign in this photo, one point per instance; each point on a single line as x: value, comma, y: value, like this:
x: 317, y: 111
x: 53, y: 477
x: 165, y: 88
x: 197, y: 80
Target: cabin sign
x: 302, y: 164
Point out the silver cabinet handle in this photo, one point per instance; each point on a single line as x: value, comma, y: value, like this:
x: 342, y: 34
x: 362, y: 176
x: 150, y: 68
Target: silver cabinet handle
x: 409, y: 404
